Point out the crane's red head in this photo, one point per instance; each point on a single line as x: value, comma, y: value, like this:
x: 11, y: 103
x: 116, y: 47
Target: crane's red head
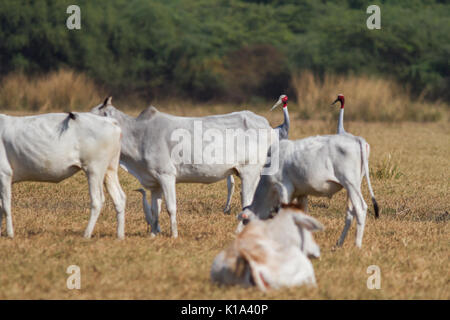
x: 282, y: 100
x: 341, y: 99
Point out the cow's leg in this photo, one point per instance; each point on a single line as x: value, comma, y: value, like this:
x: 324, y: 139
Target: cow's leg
x: 230, y: 187
x: 5, y: 208
x: 95, y: 180
x: 156, y: 210
x: 348, y: 222
x: 249, y: 180
x: 119, y: 198
x: 303, y: 203
x: 360, y: 214
x: 358, y: 210
x: 167, y: 183
x: 1, y: 212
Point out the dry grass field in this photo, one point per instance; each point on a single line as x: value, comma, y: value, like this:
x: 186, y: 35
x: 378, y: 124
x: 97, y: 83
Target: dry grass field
x: 410, y: 164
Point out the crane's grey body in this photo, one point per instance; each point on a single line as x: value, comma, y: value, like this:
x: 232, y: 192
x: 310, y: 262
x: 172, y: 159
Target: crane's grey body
x: 53, y: 147
x: 146, y: 153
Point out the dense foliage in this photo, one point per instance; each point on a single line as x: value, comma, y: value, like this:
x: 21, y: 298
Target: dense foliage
x: 228, y: 49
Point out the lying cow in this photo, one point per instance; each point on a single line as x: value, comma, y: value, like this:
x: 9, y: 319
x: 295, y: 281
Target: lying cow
x: 53, y: 147
x: 271, y: 253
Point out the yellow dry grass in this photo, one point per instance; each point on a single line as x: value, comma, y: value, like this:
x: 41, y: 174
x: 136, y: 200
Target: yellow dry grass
x: 367, y: 98
x: 410, y: 242
x: 60, y: 90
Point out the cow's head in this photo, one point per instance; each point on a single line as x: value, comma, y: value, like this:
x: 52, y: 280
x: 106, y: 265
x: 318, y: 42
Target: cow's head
x: 230, y: 268
x: 268, y: 198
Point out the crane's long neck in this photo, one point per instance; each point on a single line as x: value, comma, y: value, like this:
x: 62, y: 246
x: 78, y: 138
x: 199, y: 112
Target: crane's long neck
x: 286, y: 116
x: 340, y: 128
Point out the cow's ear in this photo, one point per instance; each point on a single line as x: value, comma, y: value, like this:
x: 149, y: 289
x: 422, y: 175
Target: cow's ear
x: 72, y: 116
x: 307, y: 222
x: 107, y: 102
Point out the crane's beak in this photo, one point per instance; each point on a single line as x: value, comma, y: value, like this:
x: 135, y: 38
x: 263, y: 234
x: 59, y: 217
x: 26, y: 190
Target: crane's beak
x: 334, y: 102
x: 276, y: 105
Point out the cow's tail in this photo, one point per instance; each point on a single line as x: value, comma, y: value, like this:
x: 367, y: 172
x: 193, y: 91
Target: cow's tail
x: 72, y: 115
x: 365, y: 151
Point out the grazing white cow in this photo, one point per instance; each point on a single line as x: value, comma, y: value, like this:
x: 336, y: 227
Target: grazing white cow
x: 149, y: 142
x: 318, y: 166
x: 53, y: 147
x: 271, y: 253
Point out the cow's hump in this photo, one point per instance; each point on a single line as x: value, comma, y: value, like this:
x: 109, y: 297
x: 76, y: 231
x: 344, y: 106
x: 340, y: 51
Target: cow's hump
x: 148, y: 113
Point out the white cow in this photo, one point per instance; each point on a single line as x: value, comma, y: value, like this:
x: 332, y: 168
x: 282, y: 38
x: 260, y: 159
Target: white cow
x: 53, y: 147
x: 149, y: 142
x: 318, y: 166
x: 270, y: 253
